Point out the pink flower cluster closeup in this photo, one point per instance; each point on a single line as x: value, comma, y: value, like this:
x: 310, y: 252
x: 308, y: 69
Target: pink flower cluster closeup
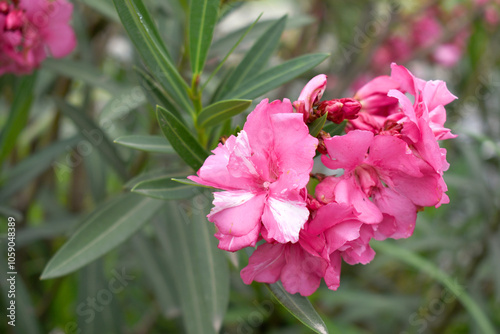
x: 386, y: 168
x: 31, y: 30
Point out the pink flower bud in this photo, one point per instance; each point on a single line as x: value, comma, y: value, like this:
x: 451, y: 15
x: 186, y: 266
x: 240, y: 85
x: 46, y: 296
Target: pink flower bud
x: 340, y: 109
x: 14, y: 19
x: 4, y: 7
x: 310, y: 95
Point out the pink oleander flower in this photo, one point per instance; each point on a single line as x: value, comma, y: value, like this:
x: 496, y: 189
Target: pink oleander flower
x: 310, y: 95
x: 299, y: 266
x: 384, y: 169
x: 264, y: 171
x: 33, y: 30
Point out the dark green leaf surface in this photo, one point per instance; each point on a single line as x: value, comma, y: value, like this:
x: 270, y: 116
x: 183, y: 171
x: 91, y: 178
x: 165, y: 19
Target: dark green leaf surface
x: 143, y: 33
x: 101, y: 231
x: 335, y: 129
x: 316, y: 126
x: 155, y: 144
x: 221, y: 111
x: 165, y: 188
x: 18, y: 115
x: 276, y: 76
x: 202, y: 19
x: 181, y: 139
x: 300, y: 307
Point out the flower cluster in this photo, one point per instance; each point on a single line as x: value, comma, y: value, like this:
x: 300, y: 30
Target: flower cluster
x: 386, y: 168
x: 32, y: 29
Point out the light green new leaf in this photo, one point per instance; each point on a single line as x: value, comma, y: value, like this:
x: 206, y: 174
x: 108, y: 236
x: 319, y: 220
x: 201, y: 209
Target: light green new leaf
x: 96, y: 136
x: 202, y: 18
x: 202, y: 273
x: 316, y: 126
x: 257, y: 57
x: 165, y: 188
x: 143, y: 33
x: 220, y: 111
x: 181, y: 139
x: 276, y: 76
x: 18, y: 115
x: 300, y: 307
x: 433, y: 271
x: 101, y: 231
x: 155, y: 144
x: 28, y: 169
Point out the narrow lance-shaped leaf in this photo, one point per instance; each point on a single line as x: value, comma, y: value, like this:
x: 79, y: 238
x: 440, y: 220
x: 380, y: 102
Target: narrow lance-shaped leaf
x: 335, y: 129
x: 165, y: 188
x: 143, y: 33
x: 257, y: 57
x: 202, y: 273
x: 96, y: 136
x: 316, y: 126
x: 181, y: 139
x: 202, y: 19
x: 221, y: 111
x: 101, y: 231
x: 300, y: 307
x: 155, y: 144
x: 276, y: 76
x: 161, y: 97
x: 18, y: 115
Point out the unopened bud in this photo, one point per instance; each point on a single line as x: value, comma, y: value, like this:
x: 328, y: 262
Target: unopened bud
x: 14, y: 19
x: 4, y: 7
x: 340, y: 109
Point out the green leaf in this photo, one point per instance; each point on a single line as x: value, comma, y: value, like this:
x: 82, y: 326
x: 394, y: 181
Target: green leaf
x: 433, y: 271
x: 202, y: 18
x: 96, y: 136
x: 220, y: 111
x: 143, y: 33
x: 276, y: 76
x: 18, y: 115
x: 155, y: 144
x: 257, y: 57
x: 190, y: 183
x: 316, y: 126
x: 28, y: 169
x: 162, y: 98
x: 202, y: 273
x: 335, y: 129
x: 299, y: 307
x: 165, y: 188
x: 101, y: 231
x: 161, y: 284
x: 181, y: 139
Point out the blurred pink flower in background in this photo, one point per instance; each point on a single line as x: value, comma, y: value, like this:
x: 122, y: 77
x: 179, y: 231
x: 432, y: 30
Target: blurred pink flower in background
x: 31, y: 30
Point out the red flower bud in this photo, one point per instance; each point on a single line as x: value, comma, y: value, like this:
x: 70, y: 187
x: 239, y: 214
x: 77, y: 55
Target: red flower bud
x: 340, y: 109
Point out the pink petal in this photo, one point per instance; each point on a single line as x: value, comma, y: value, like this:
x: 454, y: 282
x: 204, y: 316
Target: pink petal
x: 347, y: 151
x: 302, y: 272
x: 237, y: 213
x: 332, y: 274
x: 233, y: 243
x: 348, y: 192
x: 265, y: 264
x: 284, y: 219
x: 312, y: 92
